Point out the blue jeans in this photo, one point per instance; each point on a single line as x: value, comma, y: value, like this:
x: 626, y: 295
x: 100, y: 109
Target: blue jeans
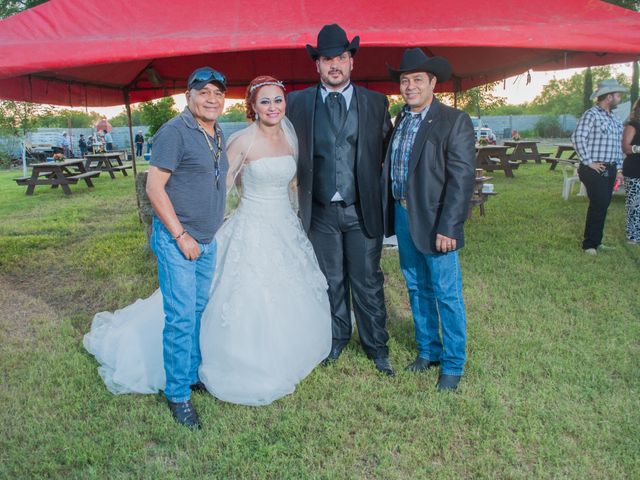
x: 185, y: 288
x: 434, y: 282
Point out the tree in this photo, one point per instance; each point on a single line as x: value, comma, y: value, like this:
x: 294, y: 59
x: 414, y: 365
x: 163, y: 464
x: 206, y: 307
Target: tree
x: 9, y: 7
x: 157, y: 112
x: 235, y: 113
x: 18, y: 118
x: 121, y: 120
x: 630, y: 4
x: 395, y: 105
x: 566, y: 96
x: 66, y: 118
x: 476, y: 101
x: 507, y: 109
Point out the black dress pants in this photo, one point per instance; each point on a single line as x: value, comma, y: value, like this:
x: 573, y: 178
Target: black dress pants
x: 599, y: 190
x: 351, y: 263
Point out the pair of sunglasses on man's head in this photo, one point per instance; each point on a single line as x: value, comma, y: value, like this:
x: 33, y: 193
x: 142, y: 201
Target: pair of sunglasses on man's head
x: 207, y: 74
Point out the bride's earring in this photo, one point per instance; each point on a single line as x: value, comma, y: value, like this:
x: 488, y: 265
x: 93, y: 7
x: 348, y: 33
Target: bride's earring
x: 257, y: 116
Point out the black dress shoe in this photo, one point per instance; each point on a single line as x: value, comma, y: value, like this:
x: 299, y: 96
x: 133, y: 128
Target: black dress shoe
x: 420, y: 364
x: 448, y: 382
x: 198, y: 387
x: 185, y: 414
x: 333, y: 355
x: 383, y: 366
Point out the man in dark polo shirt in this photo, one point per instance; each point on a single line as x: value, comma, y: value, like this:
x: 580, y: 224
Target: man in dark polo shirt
x: 186, y: 187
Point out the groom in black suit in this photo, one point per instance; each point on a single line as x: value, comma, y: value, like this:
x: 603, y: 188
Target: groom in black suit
x: 341, y: 130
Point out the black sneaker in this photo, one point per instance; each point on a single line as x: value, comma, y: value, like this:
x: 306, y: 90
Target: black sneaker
x: 448, y: 382
x: 185, y: 414
x: 383, y: 366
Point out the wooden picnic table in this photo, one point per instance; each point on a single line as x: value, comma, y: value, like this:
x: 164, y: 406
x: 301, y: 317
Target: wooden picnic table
x: 560, y: 149
x: 106, y: 162
x: 57, y: 174
x: 524, y: 150
x: 495, y: 157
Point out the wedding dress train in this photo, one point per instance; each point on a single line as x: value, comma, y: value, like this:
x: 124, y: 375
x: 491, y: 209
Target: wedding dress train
x: 267, y: 324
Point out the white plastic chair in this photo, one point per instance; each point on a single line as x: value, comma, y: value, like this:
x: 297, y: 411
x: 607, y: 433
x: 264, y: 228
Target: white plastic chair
x: 569, y: 177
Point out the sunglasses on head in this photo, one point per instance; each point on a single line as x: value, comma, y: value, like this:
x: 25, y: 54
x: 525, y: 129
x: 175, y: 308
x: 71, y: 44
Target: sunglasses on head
x: 208, y: 75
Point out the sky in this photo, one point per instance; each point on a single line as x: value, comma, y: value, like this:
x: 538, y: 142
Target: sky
x: 514, y: 89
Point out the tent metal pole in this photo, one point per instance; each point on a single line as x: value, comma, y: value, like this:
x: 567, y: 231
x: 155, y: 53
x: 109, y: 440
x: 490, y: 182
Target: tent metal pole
x: 457, y: 88
x: 133, y: 151
x: 24, y: 156
x: 127, y: 104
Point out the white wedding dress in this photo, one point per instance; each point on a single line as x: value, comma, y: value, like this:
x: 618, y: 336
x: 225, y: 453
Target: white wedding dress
x: 267, y: 324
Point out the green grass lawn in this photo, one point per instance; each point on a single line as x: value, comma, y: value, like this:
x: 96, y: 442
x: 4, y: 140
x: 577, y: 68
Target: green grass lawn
x: 551, y: 388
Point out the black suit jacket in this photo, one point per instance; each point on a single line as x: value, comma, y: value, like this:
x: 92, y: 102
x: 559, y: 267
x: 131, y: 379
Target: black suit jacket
x: 440, y: 180
x: 374, y: 126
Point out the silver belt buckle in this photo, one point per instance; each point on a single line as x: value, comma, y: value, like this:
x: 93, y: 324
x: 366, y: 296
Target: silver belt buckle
x: 403, y: 203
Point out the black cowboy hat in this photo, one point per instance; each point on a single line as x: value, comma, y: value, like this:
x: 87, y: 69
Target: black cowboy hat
x: 332, y: 41
x: 415, y: 60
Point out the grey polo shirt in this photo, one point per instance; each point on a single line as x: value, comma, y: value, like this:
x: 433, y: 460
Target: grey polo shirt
x: 180, y: 146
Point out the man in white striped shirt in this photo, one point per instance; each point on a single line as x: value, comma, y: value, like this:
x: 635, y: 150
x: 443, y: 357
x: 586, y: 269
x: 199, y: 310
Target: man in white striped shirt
x: 598, y: 141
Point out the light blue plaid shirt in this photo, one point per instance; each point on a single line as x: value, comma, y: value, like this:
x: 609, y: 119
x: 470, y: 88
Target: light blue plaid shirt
x: 401, y: 147
x: 598, y: 137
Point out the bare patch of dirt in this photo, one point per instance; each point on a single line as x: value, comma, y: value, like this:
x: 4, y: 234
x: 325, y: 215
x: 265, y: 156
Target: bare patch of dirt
x: 20, y: 312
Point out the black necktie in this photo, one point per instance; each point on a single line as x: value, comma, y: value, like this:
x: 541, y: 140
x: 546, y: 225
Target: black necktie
x: 337, y: 109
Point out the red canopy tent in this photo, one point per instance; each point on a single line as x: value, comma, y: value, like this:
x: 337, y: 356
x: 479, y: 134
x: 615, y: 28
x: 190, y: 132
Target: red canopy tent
x: 72, y: 52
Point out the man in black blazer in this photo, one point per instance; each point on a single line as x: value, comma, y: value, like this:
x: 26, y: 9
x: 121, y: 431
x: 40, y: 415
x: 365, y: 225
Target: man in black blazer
x: 428, y: 181
x: 341, y: 129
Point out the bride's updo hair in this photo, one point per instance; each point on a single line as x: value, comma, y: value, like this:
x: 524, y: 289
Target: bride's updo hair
x: 252, y: 92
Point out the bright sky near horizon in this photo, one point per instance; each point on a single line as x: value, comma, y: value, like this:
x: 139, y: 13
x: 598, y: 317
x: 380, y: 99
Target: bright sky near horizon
x: 515, y: 89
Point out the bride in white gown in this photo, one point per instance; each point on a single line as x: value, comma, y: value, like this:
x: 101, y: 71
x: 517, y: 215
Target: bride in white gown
x: 268, y: 320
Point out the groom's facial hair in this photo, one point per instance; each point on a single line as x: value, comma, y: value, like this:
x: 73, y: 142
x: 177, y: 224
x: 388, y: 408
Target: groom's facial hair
x: 328, y: 67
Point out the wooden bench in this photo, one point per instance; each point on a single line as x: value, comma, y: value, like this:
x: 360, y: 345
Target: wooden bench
x: 23, y: 180
x: 561, y: 148
x: 86, y: 176
x: 121, y: 168
x: 552, y: 160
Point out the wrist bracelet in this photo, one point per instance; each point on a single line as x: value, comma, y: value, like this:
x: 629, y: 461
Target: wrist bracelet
x: 181, y: 235
x: 635, y: 148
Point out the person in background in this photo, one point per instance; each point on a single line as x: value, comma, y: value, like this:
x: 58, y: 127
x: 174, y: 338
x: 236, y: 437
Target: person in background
x: 631, y: 173
x: 82, y: 144
x: 139, y: 141
x: 108, y: 139
x: 99, y: 144
x: 65, y: 144
x: 598, y: 139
